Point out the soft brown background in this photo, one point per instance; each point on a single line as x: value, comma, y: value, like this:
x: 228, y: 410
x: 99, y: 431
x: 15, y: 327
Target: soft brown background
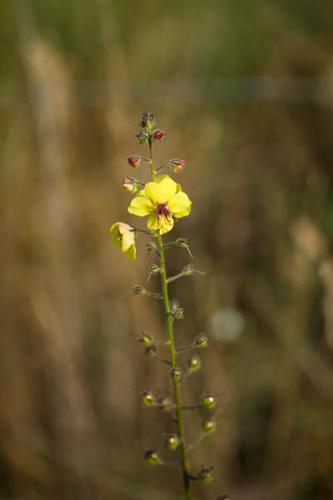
x: 244, y: 91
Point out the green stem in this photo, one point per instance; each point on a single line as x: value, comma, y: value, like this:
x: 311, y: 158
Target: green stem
x: 175, y: 381
x: 151, y: 161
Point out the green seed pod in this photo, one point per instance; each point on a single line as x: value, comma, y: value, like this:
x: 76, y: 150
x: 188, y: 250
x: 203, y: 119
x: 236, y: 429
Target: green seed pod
x: 194, y: 363
x: 164, y: 403
x: 208, y: 401
x: 147, y: 398
x: 201, y: 341
x: 208, y: 426
x: 139, y: 290
x: 206, y: 475
x: 152, y: 457
x: 146, y: 339
x: 171, y: 442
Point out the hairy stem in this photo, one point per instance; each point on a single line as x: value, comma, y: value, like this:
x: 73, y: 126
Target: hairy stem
x: 175, y: 380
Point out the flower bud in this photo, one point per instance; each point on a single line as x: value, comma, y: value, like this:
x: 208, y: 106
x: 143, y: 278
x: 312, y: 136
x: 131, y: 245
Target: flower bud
x: 147, y: 121
x: 130, y: 185
x: 176, y: 373
x: 158, y: 135
x: 150, y: 351
x: 206, y: 475
x: 177, y: 165
x: 201, y: 341
x: 139, y: 290
x: 134, y: 161
x: 208, y: 401
x: 152, y: 457
x: 194, y: 363
x: 147, y: 398
x: 142, y: 137
x: 171, y: 442
x: 208, y: 425
x: 146, y: 339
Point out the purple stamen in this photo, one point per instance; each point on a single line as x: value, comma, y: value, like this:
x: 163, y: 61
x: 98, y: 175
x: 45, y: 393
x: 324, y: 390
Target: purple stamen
x: 162, y: 209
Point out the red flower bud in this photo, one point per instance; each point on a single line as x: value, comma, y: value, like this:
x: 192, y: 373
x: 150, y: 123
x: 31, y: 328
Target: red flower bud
x: 178, y: 165
x: 134, y: 161
x: 158, y: 135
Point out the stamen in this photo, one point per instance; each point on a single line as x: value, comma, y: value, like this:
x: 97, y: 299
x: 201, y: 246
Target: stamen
x: 162, y: 209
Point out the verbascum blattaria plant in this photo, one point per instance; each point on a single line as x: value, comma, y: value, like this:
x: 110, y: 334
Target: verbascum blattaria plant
x: 161, y: 202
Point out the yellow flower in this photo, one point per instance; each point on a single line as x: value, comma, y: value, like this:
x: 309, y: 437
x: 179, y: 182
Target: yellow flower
x: 162, y: 201
x: 123, y: 236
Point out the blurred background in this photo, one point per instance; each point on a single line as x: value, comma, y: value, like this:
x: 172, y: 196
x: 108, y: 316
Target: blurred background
x: 244, y: 91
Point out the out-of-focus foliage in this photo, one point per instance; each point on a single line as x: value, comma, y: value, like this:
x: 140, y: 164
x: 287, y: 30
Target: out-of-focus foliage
x: 244, y: 92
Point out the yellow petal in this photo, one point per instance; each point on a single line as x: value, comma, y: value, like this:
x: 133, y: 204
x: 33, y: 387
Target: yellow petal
x: 180, y: 205
x: 166, y: 224
x: 115, y: 236
x: 141, y: 206
x: 128, y: 240
x: 131, y: 253
x: 161, y: 191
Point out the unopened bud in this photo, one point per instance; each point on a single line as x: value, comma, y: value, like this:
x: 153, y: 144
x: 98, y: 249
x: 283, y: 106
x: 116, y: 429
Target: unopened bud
x: 152, y: 457
x: 158, y: 135
x: 134, y: 161
x: 208, y: 425
x: 171, y: 441
x: 147, y: 398
x: 150, y: 351
x: 201, y: 341
x: 177, y: 165
x: 142, y: 137
x: 208, y: 401
x: 147, y: 121
x: 176, y: 373
x: 206, y: 475
x: 130, y: 185
x: 194, y: 363
x: 139, y: 290
x: 146, y: 339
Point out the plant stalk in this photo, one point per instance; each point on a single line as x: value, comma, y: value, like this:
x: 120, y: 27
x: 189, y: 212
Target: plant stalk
x: 175, y: 381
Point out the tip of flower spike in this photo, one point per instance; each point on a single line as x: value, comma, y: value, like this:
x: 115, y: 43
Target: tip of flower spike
x: 147, y: 121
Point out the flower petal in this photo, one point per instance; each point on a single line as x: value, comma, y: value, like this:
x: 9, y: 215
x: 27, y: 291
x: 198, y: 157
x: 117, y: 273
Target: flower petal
x: 161, y: 223
x: 162, y: 190
x: 180, y: 205
x: 115, y: 236
x: 140, y: 206
x: 128, y: 240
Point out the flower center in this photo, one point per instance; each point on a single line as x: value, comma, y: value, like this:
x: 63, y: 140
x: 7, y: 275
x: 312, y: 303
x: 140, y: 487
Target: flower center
x: 162, y: 209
